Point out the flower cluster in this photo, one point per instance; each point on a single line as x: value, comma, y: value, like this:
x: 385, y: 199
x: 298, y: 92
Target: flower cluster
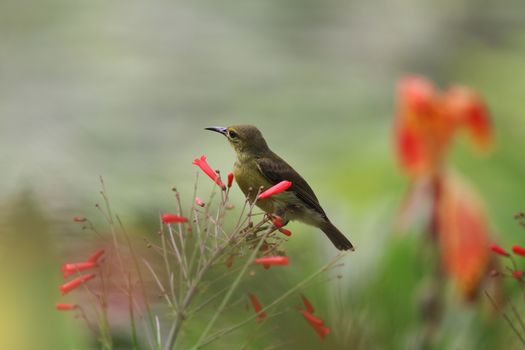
x: 315, y: 322
x: 513, y: 270
x: 190, y: 248
x: 428, y: 119
x: 76, y: 268
x: 425, y: 125
x: 308, y: 314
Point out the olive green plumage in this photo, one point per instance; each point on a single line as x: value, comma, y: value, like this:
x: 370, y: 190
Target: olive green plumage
x: 257, y: 166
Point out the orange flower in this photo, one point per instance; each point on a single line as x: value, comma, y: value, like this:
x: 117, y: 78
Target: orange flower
x: 257, y: 307
x: 69, y: 269
x: 427, y: 120
x: 463, y: 235
x: 65, y: 307
x: 206, y: 168
x: 172, y: 219
x: 468, y: 110
x: 416, y: 109
x: 74, y: 283
x: 272, y: 260
x: 275, y: 189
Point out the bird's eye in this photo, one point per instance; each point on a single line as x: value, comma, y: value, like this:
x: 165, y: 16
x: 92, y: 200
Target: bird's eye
x: 232, y: 134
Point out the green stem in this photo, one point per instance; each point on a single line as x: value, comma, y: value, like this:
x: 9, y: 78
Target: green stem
x: 234, y: 285
x: 298, y: 286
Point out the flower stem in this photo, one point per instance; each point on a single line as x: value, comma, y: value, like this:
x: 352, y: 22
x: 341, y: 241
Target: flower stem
x: 234, y: 285
x: 201, y: 343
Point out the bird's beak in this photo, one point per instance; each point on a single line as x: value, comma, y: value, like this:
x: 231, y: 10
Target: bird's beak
x: 218, y: 129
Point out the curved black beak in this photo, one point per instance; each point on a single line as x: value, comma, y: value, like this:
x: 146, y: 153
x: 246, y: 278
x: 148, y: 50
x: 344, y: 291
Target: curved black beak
x: 218, y: 129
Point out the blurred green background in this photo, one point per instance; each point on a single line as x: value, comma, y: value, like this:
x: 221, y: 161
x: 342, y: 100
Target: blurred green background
x: 124, y: 90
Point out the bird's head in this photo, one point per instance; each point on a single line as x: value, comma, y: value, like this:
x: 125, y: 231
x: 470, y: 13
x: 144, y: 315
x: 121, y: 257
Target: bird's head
x: 246, y: 140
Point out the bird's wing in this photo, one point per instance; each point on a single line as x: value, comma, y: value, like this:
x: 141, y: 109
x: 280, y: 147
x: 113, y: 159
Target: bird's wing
x: 276, y: 170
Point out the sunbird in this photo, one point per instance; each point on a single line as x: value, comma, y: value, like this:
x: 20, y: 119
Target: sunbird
x: 257, y: 167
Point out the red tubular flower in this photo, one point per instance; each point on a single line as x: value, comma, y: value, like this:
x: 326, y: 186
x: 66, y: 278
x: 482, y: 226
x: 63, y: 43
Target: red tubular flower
x: 518, y: 250
x: 307, y: 304
x: 317, y: 324
x: 277, y: 222
x: 314, y: 321
x: 272, y: 260
x: 69, y: 269
x: 206, y: 168
x: 322, y: 331
x: 65, y: 307
x: 173, y: 219
x: 79, y: 219
x: 517, y: 274
x: 257, y: 307
x: 74, y: 283
x: 230, y: 179
x: 280, y: 187
x: 285, y: 232
x: 199, y: 202
x: 498, y: 250
x: 96, y: 255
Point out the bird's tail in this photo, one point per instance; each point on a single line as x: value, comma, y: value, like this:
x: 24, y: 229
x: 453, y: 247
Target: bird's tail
x: 337, y: 238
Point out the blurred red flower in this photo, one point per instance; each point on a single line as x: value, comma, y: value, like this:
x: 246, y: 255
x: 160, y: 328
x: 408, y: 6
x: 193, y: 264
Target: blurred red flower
x: 307, y: 304
x: 285, y: 232
x: 199, y: 202
x: 517, y: 274
x: 498, y: 250
x: 426, y: 121
x: 272, y: 260
x: 173, y: 219
x: 316, y: 323
x: 74, y: 283
x: 230, y: 179
x: 69, y: 269
x: 425, y: 124
x: 65, y: 307
x: 96, y: 255
x: 257, y: 307
x: 518, y: 250
x: 463, y: 236
x: 277, y: 221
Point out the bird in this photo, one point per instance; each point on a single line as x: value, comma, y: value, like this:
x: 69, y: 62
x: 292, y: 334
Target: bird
x: 257, y: 167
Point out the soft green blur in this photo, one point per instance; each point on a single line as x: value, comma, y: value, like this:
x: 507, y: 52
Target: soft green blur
x: 124, y: 90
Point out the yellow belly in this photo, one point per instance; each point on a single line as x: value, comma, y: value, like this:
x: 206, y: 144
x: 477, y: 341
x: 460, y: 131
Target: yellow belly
x: 286, y: 204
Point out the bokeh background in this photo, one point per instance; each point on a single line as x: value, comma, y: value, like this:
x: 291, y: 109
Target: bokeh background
x: 124, y: 90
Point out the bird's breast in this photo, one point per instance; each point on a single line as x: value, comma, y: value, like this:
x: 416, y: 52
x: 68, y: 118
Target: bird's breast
x: 250, y: 179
